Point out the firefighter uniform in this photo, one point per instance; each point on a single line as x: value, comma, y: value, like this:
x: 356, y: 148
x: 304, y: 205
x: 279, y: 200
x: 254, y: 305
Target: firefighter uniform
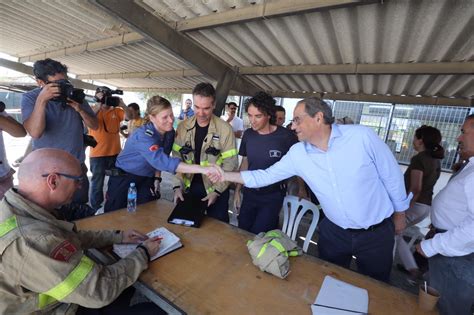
x: 145, y: 152
x: 43, y: 268
x: 218, y: 148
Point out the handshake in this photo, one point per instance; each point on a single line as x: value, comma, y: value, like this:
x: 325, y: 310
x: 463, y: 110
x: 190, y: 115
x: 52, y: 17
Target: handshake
x: 215, y: 173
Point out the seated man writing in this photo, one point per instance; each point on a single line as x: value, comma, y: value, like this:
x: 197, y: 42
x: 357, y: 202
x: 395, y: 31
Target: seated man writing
x: 43, y: 266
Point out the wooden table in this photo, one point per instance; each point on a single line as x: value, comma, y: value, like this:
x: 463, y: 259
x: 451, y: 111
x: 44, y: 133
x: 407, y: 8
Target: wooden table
x: 213, y: 272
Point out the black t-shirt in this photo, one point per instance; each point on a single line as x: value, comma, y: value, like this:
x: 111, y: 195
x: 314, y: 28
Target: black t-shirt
x: 431, y: 169
x: 263, y: 151
x: 199, y: 136
x: 201, y: 133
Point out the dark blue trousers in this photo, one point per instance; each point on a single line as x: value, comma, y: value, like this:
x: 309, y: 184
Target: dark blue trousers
x: 372, y: 248
x: 220, y: 209
x: 98, y: 167
x: 117, y: 191
x: 259, y: 212
x: 453, y: 277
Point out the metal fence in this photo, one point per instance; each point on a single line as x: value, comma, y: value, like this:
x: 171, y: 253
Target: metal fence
x: 396, y: 124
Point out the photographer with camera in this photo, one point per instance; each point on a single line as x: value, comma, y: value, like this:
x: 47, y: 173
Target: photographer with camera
x: 110, y: 111
x: 54, y: 114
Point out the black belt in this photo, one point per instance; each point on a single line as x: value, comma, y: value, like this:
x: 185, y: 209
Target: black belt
x: 268, y: 189
x: 115, y: 172
x: 370, y: 228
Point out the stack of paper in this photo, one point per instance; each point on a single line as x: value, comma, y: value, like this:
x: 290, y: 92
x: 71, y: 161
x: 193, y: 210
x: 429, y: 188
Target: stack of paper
x: 169, y: 243
x: 340, y: 298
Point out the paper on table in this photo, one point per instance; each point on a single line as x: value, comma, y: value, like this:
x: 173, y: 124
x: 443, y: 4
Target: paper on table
x: 169, y: 243
x: 338, y: 297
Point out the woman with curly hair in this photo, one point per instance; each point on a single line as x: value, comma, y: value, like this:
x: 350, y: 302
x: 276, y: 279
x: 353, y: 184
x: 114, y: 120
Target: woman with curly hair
x: 262, y: 145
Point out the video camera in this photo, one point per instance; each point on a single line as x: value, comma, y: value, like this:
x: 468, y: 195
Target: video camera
x: 107, y: 97
x: 67, y: 90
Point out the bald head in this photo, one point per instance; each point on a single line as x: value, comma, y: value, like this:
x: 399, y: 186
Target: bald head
x: 44, y: 161
x: 49, y: 177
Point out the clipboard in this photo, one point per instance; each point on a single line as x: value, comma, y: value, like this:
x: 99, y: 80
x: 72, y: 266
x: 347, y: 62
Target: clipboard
x: 188, y: 212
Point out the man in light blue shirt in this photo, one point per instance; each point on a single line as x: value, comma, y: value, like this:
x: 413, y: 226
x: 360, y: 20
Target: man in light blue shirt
x: 357, y: 181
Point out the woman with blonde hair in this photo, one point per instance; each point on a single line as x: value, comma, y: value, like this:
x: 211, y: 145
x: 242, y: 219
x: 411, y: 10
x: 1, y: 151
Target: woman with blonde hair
x: 145, y: 153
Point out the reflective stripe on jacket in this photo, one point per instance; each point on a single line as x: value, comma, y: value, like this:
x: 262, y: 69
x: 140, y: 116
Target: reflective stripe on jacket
x: 270, y: 252
x: 44, y: 269
x: 220, y: 137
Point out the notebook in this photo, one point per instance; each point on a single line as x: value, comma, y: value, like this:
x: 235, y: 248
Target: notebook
x: 169, y: 243
x: 188, y: 212
x: 337, y: 297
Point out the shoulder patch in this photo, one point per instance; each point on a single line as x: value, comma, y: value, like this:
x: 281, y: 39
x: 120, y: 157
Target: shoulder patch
x: 149, y: 132
x: 63, y: 251
x: 154, y: 148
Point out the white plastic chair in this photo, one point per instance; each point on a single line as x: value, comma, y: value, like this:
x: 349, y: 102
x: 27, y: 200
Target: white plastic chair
x: 293, y: 212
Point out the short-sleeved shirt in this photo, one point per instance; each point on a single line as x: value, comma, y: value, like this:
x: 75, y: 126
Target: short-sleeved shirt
x: 64, y: 127
x: 236, y: 123
x: 262, y: 151
x: 431, y: 169
x: 108, y: 133
x: 146, y: 151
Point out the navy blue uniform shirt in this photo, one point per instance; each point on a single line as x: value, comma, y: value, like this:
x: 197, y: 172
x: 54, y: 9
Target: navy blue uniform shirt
x: 146, y: 151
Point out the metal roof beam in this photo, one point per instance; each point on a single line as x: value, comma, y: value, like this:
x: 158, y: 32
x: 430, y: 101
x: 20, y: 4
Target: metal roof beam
x: 338, y: 96
x: 178, y: 44
x: 156, y: 90
x: 424, y: 100
x: 19, y: 67
x: 181, y: 73
x: 111, y: 42
x: 380, y: 68
x: 263, y: 11
x: 165, y: 90
x: 343, y: 69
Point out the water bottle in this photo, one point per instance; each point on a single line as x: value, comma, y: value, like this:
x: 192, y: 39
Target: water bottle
x: 132, y: 198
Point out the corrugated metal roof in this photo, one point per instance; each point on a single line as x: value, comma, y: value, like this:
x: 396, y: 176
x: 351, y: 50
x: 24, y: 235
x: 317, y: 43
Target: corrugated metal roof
x: 136, y: 57
x: 36, y: 26
x: 159, y: 83
x: 395, y: 31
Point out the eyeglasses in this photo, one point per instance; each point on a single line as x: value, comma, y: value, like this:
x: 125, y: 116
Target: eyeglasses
x: 77, y: 179
x: 298, y: 119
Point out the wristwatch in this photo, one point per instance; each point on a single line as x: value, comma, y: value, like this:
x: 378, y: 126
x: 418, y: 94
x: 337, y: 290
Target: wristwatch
x: 158, y: 178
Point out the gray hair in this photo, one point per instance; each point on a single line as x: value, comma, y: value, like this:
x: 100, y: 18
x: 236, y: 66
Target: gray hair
x: 315, y: 105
